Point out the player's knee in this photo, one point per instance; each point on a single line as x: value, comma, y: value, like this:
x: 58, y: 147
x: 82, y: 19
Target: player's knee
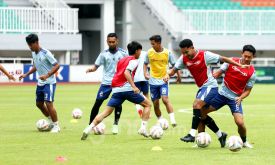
x: 240, y: 123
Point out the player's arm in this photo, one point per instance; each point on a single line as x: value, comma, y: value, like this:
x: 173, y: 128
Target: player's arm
x: 230, y: 61
x: 55, y: 68
x: 177, y: 67
x: 92, y: 69
x: 128, y: 76
x: 247, y: 90
x: 6, y: 73
x: 146, y: 62
x: 31, y: 71
x: 99, y: 61
x: 221, y: 70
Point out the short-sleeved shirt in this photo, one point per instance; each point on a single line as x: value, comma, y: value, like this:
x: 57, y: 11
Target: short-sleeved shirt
x: 210, y: 58
x: 133, y: 64
x: 227, y: 92
x: 109, y: 61
x: 139, y: 76
x: 157, y: 81
x: 44, y: 62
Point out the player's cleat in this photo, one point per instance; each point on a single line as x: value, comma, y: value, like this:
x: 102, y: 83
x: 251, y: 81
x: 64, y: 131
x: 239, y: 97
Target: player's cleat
x: 140, y: 113
x: 222, y: 139
x: 247, y: 145
x: 188, y: 138
x: 55, y: 129
x: 49, y: 127
x: 174, y: 124
x: 84, y: 136
x: 143, y: 132
x: 115, y: 129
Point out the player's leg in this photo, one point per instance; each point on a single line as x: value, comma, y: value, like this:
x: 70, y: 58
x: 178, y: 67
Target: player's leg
x: 118, y: 111
x: 49, y: 99
x: 237, y: 113
x: 165, y: 99
x: 143, y: 86
x: 102, y: 94
x: 143, y: 101
x: 155, y: 96
x: 40, y: 101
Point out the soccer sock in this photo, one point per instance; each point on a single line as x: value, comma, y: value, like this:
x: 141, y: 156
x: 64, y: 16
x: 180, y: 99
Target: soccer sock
x: 55, y: 123
x: 143, y: 124
x: 172, y: 118
x: 138, y: 107
x: 117, y: 114
x: 50, y: 119
x: 88, y: 129
x: 243, y: 138
x: 95, y: 109
x: 210, y: 123
x: 192, y: 132
x: 196, y: 118
x: 219, y: 133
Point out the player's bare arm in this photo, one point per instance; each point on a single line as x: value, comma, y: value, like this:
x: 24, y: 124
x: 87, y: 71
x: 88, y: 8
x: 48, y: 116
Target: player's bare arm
x: 33, y: 69
x: 6, y: 73
x: 92, y: 69
x: 50, y: 73
x: 128, y: 76
x: 217, y: 73
x: 243, y: 95
x: 146, y: 75
x: 230, y: 61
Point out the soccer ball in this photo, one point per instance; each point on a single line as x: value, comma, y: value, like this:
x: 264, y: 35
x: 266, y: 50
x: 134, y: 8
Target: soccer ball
x: 163, y: 123
x: 156, y: 132
x: 43, y: 125
x: 203, y: 139
x: 234, y: 143
x: 99, y: 129
x: 77, y: 113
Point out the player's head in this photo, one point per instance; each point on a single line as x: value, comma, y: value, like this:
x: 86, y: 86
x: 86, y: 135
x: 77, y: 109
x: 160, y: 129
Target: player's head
x: 32, y: 41
x: 249, y: 52
x: 187, y: 48
x: 134, y: 49
x: 112, y: 41
x: 156, y: 42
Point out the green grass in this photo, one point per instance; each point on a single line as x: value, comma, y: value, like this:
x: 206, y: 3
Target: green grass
x: 22, y: 144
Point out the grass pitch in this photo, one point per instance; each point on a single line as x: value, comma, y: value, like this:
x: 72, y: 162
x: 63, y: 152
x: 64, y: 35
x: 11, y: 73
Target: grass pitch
x: 22, y: 144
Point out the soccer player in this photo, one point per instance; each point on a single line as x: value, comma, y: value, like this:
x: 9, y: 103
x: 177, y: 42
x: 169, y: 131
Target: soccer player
x: 159, y: 58
x: 46, y: 66
x: 140, y: 81
x: 237, y: 85
x: 124, y: 88
x: 198, y: 63
x: 108, y: 58
x: 10, y: 77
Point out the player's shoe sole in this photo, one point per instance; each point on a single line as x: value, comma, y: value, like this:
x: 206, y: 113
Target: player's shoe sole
x: 84, y: 136
x: 188, y: 138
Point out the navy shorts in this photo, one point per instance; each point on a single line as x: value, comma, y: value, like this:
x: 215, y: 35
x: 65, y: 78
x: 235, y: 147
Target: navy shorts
x: 118, y: 98
x: 206, y: 94
x: 143, y: 86
x: 104, y: 92
x: 158, y: 90
x: 45, y: 92
x: 219, y: 101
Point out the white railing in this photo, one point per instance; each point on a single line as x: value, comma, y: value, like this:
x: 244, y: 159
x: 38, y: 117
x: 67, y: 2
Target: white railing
x: 8, y: 60
x: 50, y: 3
x: 225, y: 22
x: 22, y: 20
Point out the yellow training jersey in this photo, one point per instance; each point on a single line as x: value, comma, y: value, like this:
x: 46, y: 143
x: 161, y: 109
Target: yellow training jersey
x: 158, y: 63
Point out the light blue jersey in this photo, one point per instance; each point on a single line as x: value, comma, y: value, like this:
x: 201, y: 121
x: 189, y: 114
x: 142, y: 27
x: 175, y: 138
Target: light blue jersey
x: 44, y: 62
x: 109, y: 62
x: 209, y: 58
x: 155, y: 81
x: 227, y: 92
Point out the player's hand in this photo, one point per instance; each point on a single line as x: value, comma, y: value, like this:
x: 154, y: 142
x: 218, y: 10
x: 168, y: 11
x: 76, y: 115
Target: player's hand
x: 11, y: 77
x: 238, y: 100
x: 166, y: 78
x: 22, y: 76
x: 43, y: 77
x: 88, y: 70
x: 147, y: 76
x: 136, y: 90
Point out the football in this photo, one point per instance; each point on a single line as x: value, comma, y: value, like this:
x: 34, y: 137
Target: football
x: 156, y: 132
x: 203, y: 139
x: 43, y: 125
x: 234, y: 143
x: 77, y: 113
x: 163, y: 123
x: 99, y: 129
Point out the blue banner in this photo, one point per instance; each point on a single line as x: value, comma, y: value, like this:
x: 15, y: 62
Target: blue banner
x: 62, y: 75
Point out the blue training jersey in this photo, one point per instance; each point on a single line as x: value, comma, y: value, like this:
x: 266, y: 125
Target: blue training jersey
x: 44, y: 62
x: 109, y: 62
